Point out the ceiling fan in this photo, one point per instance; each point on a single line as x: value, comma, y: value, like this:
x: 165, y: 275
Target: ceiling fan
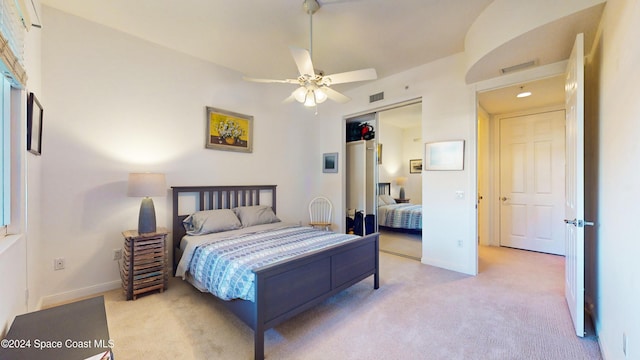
x: 314, y: 87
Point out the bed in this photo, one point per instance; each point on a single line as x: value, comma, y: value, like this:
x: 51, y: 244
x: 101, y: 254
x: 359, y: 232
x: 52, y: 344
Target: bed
x: 397, y: 216
x: 289, y: 286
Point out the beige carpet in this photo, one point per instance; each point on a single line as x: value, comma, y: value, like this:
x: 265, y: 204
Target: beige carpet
x: 401, y: 244
x: 514, y: 309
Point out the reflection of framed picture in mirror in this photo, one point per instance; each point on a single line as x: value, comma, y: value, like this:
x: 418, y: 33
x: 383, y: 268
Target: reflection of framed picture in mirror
x: 330, y: 162
x: 444, y: 155
x: 415, y: 166
x: 35, y: 113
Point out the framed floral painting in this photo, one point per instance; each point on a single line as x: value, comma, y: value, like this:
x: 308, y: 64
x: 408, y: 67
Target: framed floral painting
x: 229, y: 131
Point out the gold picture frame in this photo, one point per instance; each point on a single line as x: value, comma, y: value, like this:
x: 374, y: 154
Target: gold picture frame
x: 229, y: 131
x: 415, y: 166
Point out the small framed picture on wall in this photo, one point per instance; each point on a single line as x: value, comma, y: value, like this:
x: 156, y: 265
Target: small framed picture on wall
x: 330, y: 162
x: 415, y: 166
x: 444, y: 155
x: 35, y: 113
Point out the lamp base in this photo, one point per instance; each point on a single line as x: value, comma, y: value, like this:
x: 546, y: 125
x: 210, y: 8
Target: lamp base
x: 147, y: 217
x: 401, y: 193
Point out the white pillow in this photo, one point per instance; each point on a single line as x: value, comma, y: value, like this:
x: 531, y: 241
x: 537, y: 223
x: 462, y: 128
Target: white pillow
x: 255, y: 215
x: 387, y: 199
x: 211, y: 221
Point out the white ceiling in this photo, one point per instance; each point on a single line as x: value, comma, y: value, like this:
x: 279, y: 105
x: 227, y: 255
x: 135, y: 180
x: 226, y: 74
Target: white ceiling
x: 544, y: 92
x: 253, y: 36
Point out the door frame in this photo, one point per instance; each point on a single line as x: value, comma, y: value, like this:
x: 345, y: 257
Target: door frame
x: 537, y: 73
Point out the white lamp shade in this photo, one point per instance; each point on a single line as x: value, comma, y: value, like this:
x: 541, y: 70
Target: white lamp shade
x: 401, y: 181
x: 147, y: 184
x: 310, y: 100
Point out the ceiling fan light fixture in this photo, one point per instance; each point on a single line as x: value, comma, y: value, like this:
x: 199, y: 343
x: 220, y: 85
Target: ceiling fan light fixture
x: 300, y: 94
x: 310, y: 99
x: 314, y: 85
x: 320, y: 96
x: 309, y: 96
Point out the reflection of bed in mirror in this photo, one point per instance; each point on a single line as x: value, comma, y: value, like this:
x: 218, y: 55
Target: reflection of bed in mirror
x: 397, y: 216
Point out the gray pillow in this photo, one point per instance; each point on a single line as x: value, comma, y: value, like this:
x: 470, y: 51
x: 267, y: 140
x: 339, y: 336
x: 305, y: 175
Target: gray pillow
x: 255, y: 215
x: 211, y: 221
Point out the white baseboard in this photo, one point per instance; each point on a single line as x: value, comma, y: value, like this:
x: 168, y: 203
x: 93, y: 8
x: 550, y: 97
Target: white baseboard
x: 78, y: 293
x: 461, y: 268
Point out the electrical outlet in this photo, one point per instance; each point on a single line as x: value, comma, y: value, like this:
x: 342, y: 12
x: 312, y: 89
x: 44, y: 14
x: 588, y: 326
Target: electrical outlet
x: 117, y: 254
x: 58, y: 263
x: 459, y: 242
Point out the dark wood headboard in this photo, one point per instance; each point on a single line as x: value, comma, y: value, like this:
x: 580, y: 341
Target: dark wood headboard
x: 215, y: 197
x: 384, y: 188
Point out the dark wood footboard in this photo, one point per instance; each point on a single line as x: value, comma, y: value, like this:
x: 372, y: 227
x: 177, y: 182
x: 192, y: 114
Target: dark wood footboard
x: 286, y: 289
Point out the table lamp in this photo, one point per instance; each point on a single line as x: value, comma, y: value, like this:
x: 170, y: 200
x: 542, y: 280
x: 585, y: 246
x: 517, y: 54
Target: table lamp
x: 401, y: 181
x: 146, y: 185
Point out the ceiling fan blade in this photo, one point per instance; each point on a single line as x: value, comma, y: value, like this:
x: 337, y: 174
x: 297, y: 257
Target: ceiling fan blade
x: 289, y: 99
x: 285, y: 81
x: 303, y: 61
x: 350, y: 76
x: 334, y: 95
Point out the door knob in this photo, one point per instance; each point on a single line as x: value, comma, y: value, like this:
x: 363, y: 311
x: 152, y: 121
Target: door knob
x: 504, y: 198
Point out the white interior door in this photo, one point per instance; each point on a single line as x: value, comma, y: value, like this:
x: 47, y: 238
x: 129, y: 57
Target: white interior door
x: 532, y: 182
x: 574, y: 202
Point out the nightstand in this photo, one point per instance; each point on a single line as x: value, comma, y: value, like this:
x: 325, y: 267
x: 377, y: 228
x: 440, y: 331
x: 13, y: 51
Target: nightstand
x: 401, y: 201
x: 144, y: 262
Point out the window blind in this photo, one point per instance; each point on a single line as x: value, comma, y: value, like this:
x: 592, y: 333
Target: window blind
x: 14, y: 23
x: 5, y: 159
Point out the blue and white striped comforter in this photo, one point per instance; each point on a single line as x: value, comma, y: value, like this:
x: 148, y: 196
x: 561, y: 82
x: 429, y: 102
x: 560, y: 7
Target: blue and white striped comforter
x: 405, y: 216
x: 225, y: 266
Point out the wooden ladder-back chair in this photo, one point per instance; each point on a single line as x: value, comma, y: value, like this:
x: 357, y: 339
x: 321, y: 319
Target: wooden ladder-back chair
x: 320, y: 212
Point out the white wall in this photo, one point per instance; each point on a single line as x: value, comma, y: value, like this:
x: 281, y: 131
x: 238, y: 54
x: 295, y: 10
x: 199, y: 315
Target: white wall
x: 614, y: 67
x: 390, y: 137
x: 115, y: 104
x: 412, y: 148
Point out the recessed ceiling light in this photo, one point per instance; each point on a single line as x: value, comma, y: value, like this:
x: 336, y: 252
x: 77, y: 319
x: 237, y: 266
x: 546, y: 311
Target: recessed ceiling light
x: 522, y: 93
